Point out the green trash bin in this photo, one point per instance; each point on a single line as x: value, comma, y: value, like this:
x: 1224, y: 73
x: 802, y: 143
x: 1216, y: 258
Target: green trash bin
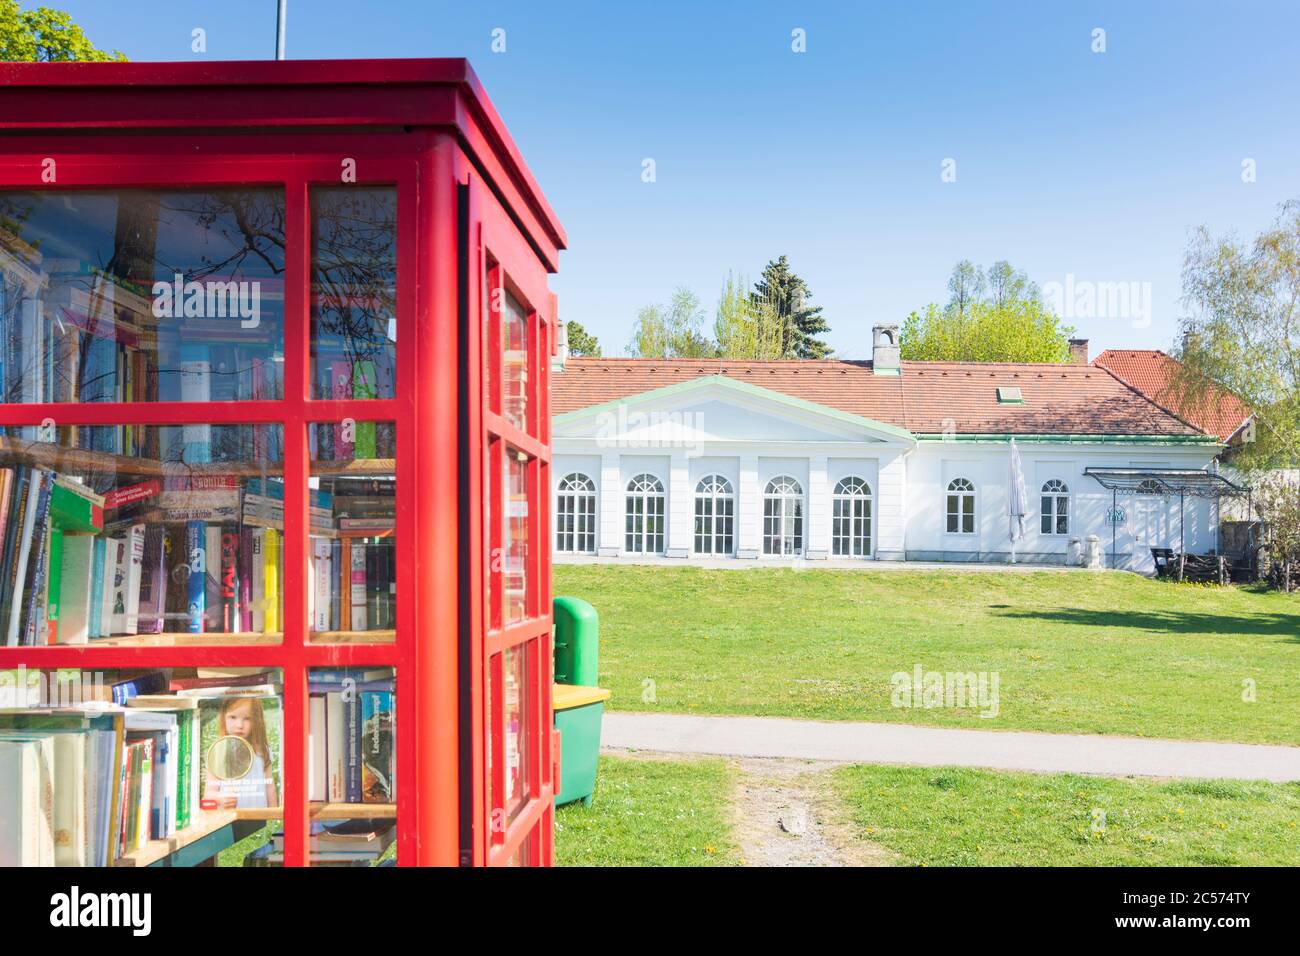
x: 579, y: 703
x: 578, y: 713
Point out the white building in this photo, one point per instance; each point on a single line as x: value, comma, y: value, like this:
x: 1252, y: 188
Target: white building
x: 859, y: 461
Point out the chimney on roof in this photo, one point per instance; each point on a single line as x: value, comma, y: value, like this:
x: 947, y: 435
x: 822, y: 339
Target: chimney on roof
x: 1078, y: 351
x: 884, y: 350
x: 561, y: 354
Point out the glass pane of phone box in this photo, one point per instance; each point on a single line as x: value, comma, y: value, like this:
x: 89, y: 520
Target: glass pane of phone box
x: 175, y: 536
x: 352, y: 576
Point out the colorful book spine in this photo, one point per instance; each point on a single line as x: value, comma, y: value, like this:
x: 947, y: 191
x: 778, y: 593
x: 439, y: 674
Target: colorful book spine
x: 153, y: 582
x: 116, y: 566
x: 9, y: 562
x: 36, y: 570
x: 352, y: 746
x: 337, y: 573
x: 377, y: 747
x: 360, y: 618
x: 196, y: 591
x: 244, y: 573
x: 135, y: 572
x: 271, y: 581
x: 100, y: 549
x: 258, y: 567
x: 76, y: 594
x: 53, y: 585
x: 321, y: 584
x: 212, y: 562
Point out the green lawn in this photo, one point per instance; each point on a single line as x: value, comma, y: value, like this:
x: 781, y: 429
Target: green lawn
x: 650, y: 813
x: 1089, y: 653
x: 957, y: 817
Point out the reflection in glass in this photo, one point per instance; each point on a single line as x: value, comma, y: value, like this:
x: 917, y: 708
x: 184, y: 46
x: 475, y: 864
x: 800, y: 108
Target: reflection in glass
x: 514, y: 354
x: 515, y: 545
x: 141, y: 296
x: 353, y: 292
x: 516, y: 710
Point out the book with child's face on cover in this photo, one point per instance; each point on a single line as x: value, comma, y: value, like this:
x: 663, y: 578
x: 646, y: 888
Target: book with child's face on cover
x: 239, y: 752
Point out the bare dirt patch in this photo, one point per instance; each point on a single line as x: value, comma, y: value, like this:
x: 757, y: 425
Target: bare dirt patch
x: 786, y: 813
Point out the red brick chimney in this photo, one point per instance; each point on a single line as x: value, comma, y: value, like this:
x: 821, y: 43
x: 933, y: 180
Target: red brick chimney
x: 1078, y: 351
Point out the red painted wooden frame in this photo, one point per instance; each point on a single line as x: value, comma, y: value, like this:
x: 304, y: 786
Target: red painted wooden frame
x: 426, y: 127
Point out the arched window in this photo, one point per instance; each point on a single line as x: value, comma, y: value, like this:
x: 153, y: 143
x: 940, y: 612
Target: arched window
x: 961, y: 506
x: 851, y: 519
x: 783, y: 517
x: 1056, y: 507
x: 575, y: 515
x: 715, y: 510
x: 645, y: 515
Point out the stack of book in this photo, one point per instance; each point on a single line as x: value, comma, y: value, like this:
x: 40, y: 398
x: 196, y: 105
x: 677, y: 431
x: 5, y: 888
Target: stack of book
x: 345, y: 843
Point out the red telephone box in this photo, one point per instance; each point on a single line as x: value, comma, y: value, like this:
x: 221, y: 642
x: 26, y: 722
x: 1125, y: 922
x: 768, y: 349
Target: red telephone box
x: 374, y: 231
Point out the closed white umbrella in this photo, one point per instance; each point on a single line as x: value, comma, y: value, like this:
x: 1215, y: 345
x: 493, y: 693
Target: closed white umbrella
x: 1017, y: 500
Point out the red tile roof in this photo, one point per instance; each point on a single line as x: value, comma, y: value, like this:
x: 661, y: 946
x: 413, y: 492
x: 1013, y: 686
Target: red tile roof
x: 1152, y: 373
x: 928, y: 397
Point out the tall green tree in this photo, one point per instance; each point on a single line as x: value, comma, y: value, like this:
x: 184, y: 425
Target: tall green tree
x: 674, y: 331
x: 1243, y: 333
x: 746, y: 329
x: 993, y: 315
x: 786, y: 295
x: 581, y: 342
x: 45, y: 35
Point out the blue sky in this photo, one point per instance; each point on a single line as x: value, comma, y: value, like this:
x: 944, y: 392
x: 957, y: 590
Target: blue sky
x: 1068, y: 162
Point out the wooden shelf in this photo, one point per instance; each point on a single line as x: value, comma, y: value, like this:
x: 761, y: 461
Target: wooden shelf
x: 352, y: 637
x: 326, y: 811
x: 81, y: 461
x: 243, y: 639
x: 208, y: 821
x: 381, y: 467
x: 211, y: 639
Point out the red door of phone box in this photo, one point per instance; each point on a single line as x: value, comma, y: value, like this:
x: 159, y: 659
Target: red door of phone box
x: 355, y: 205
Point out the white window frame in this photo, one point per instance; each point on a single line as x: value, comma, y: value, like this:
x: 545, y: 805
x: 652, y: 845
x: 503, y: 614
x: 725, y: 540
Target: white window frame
x: 852, y: 513
x: 644, y: 515
x: 715, y: 517
x: 576, y: 521
x: 966, y: 493
x: 783, y: 518
x: 1054, y: 504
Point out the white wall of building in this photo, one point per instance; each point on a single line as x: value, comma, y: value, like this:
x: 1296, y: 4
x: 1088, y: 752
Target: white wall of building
x: 908, y: 480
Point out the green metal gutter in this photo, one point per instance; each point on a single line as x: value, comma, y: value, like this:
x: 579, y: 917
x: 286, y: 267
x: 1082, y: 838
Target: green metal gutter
x: 993, y: 439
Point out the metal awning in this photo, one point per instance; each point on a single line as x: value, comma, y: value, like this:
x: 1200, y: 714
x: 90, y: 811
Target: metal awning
x: 1166, y: 481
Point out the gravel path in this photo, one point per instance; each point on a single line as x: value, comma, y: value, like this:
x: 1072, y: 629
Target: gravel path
x: 856, y: 742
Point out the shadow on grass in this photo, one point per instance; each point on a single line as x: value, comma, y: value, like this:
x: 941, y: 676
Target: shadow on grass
x: 1171, y: 621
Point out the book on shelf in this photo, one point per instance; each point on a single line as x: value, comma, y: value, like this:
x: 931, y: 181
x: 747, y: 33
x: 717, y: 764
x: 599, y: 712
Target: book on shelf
x: 88, y: 784
x: 198, y: 553
x: 61, y: 798
x: 240, y: 734
x: 352, y: 757
x: 355, y: 837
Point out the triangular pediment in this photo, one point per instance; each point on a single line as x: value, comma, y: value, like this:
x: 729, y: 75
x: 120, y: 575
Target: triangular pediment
x: 718, y: 409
